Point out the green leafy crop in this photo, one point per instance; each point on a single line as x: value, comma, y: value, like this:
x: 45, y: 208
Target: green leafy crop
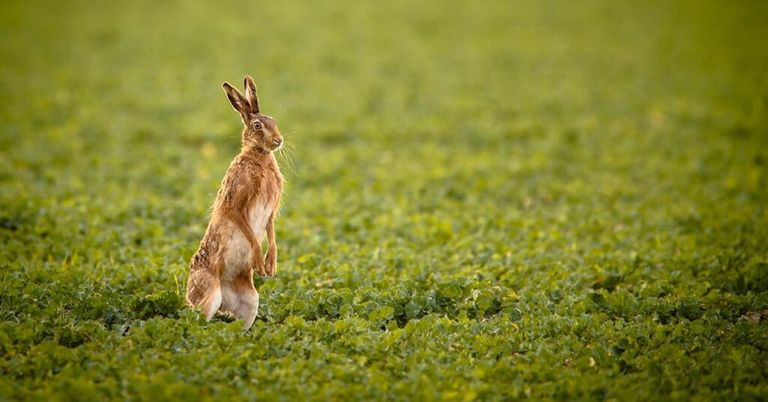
x: 484, y: 200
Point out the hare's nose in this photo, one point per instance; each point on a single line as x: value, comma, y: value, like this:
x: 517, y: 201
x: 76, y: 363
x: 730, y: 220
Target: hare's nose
x: 278, y: 141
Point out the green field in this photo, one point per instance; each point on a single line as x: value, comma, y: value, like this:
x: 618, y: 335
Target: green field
x: 484, y: 200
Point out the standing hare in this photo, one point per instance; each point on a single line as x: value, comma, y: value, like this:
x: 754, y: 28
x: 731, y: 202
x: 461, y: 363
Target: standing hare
x: 221, y: 271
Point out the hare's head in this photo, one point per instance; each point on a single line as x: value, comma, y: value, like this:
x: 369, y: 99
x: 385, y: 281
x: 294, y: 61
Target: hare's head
x: 260, y: 130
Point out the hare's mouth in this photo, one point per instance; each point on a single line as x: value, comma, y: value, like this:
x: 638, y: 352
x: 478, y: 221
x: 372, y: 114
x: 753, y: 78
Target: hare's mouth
x: 277, y: 143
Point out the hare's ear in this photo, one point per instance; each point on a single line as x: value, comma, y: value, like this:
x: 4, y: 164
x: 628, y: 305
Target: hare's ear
x: 250, y: 94
x: 237, y: 100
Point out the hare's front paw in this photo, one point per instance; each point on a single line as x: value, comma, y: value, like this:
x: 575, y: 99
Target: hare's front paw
x: 258, y: 265
x: 271, y: 264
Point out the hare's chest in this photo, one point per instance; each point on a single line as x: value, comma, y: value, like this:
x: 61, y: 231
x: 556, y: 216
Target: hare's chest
x: 258, y: 216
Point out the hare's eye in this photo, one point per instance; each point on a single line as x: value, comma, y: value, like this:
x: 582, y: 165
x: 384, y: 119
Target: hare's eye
x: 257, y: 125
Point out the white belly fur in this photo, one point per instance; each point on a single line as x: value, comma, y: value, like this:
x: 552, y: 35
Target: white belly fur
x: 258, y: 219
x: 237, y: 256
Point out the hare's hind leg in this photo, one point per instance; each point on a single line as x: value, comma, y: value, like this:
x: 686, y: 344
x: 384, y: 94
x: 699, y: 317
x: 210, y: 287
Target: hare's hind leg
x: 204, y: 291
x: 249, y: 306
x: 241, y: 299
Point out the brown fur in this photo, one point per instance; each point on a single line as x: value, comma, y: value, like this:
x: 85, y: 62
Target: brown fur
x: 221, y: 271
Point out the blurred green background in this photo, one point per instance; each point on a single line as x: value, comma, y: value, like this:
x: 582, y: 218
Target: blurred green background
x: 484, y: 200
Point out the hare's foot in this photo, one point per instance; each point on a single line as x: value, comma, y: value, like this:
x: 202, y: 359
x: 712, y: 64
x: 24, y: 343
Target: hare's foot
x: 249, y: 308
x: 242, y: 302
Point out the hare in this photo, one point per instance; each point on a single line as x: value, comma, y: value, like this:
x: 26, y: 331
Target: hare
x: 221, y: 271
